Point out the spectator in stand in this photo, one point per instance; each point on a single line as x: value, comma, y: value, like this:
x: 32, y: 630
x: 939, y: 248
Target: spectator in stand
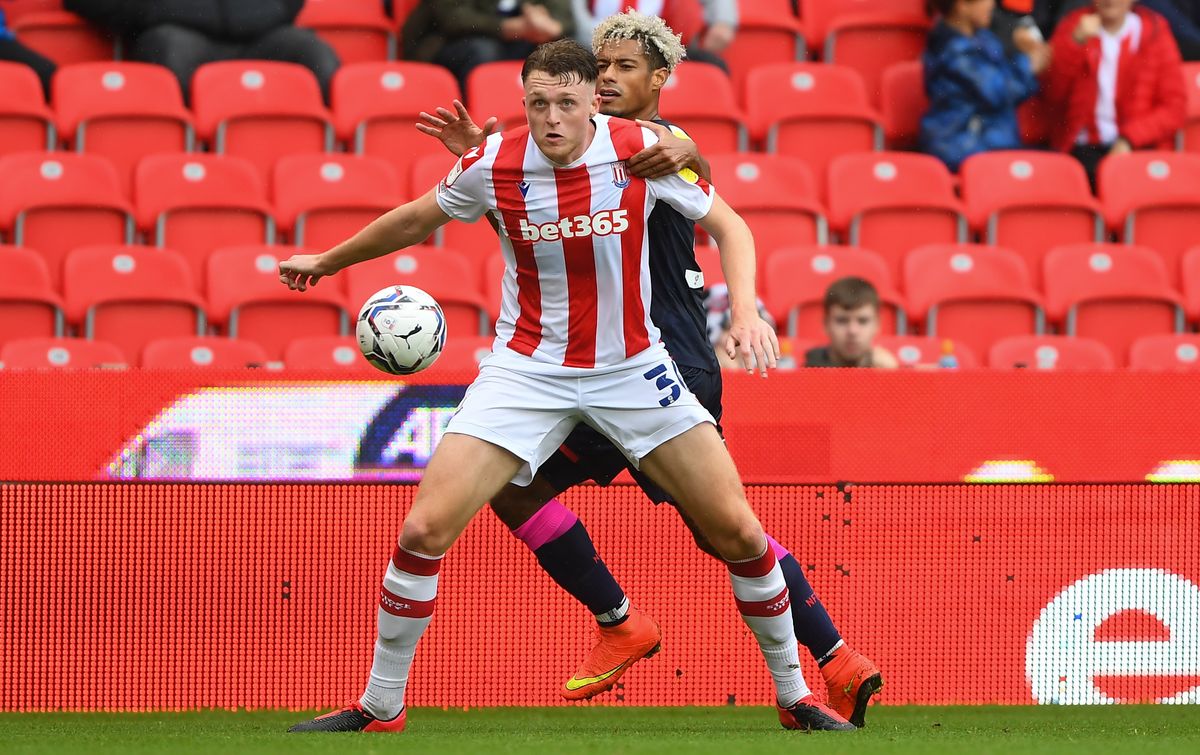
x: 462, y: 34
x: 15, y: 52
x: 1183, y: 16
x: 185, y: 34
x: 706, y: 26
x: 1116, y: 83
x: 973, y: 86
x: 851, y: 324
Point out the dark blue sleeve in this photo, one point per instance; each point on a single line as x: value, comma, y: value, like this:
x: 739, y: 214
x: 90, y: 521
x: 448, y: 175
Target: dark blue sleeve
x: 995, y: 83
x: 4, y: 32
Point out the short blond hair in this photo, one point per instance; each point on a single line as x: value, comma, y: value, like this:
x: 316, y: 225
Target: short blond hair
x: 657, y: 39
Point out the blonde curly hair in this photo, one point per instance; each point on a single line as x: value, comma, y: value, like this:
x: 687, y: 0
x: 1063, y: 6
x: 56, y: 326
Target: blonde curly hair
x: 657, y: 39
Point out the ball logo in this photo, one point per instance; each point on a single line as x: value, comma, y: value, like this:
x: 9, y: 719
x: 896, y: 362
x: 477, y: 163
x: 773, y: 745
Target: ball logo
x: 602, y: 223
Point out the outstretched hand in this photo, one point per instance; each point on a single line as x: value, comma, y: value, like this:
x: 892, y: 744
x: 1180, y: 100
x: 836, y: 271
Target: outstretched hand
x: 300, y: 271
x: 670, y: 154
x: 753, y: 342
x: 456, y: 130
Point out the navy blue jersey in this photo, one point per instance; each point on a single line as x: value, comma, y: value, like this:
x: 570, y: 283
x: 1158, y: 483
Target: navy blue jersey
x: 677, y: 293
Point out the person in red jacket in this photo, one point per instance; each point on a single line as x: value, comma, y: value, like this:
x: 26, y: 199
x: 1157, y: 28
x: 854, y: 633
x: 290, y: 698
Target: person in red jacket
x: 1115, y: 83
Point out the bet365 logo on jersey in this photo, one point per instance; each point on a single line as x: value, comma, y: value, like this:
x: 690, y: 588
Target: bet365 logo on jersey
x: 601, y: 224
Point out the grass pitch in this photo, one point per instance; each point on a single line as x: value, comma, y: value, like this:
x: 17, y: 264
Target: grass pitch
x: 615, y: 731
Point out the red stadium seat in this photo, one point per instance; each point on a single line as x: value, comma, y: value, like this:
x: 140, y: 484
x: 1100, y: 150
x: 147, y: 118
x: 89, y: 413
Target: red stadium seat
x: 871, y: 42
x: 921, y: 351
x: 260, y: 110
x: 797, y: 277
x: 14, y: 9
x: 1051, y: 353
x: 442, y: 273
x: 63, y: 37
x: 246, y: 297
x: 56, y: 201
x: 971, y: 293
x: 1166, y: 352
x: 122, y: 111
x: 767, y: 32
x: 29, y: 305
x: 1155, y: 197
x: 26, y: 124
x: 477, y: 241
x: 202, y: 351
x: 321, y: 200
x: 813, y: 112
x: 197, y: 203
x: 130, y: 295
x: 902, y: 103
x: 376, y: 104
x: 1111, y: 293
x: 820, y: 17
x: 74, y: 353
x: 1191, y: 283
x: 699, y: 99
x: 775, y: 195
x: 1030, y: 202
x: 496, y: 89
x: 462, y: 355
x: 358, y: 30
x: 892, y: 202
x: 1188, y: 138
x: 339, y: 353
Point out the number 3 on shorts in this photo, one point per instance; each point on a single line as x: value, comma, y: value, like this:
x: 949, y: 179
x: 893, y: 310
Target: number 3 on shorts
x: 663, y: 382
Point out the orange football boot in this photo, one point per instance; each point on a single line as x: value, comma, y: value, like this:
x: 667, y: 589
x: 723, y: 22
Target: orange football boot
x: 852, y: 679
x: 618, y: 648
x: 353, y: 718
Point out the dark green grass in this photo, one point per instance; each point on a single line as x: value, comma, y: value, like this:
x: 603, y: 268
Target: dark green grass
x: 609, y: 731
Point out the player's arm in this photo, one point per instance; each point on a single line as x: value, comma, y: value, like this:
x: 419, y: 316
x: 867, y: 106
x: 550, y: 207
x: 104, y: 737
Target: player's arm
x: 458, y: 133
x: 751, y: 339
x: 670, y: 154
x: 402, y: 227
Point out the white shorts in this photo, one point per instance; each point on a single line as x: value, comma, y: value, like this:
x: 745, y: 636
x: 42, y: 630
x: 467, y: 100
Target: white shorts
x: 638, y: 406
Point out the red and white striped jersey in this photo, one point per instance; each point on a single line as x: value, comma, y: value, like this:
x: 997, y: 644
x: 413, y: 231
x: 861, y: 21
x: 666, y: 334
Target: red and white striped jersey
x: 576, y: 281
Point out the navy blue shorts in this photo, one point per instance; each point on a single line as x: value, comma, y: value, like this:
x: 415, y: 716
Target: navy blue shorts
x: 588, y: 455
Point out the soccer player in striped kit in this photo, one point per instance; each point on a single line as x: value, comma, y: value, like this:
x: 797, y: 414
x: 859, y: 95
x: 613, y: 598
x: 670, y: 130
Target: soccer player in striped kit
x: 636, y: 53
x: 575, y: 343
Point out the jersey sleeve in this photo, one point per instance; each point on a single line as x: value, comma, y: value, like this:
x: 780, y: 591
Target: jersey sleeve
x: 462, y: 194
x: 686, y: 190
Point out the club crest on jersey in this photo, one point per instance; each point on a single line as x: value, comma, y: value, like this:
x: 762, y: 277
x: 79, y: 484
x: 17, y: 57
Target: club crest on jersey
x: 620, y: 176
x: 523, y: 187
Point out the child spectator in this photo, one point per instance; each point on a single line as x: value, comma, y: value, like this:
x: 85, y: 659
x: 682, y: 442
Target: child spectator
x: 973, y: 86
x: 851, y: 324
x: 1116, y: 83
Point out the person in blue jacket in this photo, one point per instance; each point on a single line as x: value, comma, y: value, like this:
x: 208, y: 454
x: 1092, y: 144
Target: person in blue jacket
x: 13, y: 51
x: 974, y: 87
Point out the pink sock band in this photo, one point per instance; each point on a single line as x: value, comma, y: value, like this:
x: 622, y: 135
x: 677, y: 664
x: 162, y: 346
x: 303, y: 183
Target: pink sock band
x: 550, y: 522
x: 780, y: 551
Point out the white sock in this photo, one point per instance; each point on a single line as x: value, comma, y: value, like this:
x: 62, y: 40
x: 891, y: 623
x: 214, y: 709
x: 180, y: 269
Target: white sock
x: 406, y: 605
x: 762, y: 598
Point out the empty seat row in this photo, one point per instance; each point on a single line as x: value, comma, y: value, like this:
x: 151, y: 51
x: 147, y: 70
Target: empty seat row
x: 129, y: 295
x: 462, y: 355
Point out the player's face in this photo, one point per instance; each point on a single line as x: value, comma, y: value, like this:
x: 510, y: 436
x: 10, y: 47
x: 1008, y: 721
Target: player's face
x: 851, y: 331
x: 559, y: 113
x: 628, y: 86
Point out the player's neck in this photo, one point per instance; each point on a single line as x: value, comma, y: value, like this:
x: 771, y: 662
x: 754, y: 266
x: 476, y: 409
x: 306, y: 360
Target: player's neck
x: 647, y: 113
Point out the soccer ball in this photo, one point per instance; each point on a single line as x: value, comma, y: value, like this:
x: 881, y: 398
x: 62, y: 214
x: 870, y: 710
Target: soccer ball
x: 401, y: 330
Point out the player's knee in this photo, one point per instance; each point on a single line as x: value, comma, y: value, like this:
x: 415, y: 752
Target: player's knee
x: 419, y: 535
x: 739, y: 542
